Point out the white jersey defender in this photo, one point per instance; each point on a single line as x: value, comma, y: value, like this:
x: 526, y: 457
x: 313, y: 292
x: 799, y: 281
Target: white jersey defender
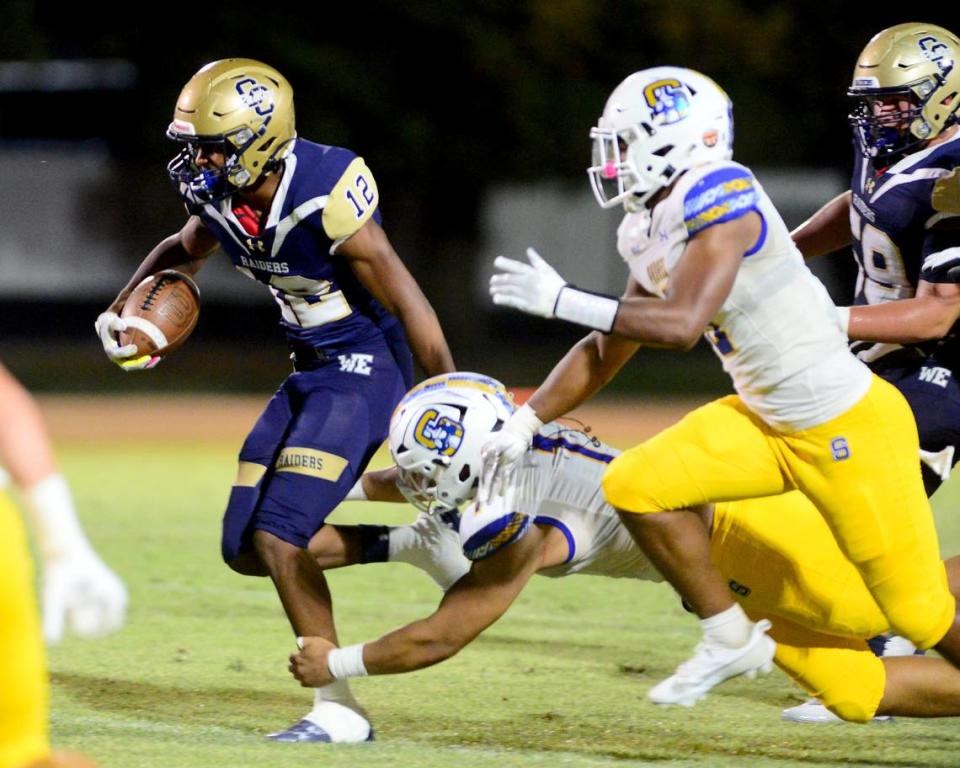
x: 558, y: 484
x: 777, y: 333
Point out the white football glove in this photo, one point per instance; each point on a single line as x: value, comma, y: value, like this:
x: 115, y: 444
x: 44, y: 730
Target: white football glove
x: 501, y: 454
x: 80, y: 590
x: 532, y: 288
x: 108, y: 325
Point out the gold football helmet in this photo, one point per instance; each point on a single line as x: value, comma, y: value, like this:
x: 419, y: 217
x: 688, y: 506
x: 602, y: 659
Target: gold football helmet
x: 241, y: 108
x: 918, y: 62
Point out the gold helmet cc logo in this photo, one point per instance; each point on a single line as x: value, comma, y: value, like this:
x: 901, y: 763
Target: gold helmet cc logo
x: 256, y: 96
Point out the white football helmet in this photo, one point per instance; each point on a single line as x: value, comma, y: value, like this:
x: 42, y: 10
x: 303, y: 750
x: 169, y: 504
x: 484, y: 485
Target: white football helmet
x: 657, y: 124
x: 436, y: 433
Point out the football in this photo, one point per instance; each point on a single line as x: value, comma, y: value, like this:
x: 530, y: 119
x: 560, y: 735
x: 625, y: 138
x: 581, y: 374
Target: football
x: 160, y: 313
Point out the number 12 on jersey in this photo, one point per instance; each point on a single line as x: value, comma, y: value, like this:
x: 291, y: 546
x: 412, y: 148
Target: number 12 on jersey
x: 362, y: 196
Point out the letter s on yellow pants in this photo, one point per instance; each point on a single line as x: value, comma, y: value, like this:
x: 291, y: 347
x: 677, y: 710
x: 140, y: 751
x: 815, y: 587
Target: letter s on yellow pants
x: 860, y: 470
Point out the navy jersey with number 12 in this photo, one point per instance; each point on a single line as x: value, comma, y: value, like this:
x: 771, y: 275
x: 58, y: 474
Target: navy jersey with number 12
x: 325, y: 195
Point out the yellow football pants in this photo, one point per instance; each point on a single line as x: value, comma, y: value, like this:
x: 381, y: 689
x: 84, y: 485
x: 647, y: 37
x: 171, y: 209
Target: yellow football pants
x: 860, y: 470
x: 782, y: 563
x: 23, y: 678
x: 843, y: 673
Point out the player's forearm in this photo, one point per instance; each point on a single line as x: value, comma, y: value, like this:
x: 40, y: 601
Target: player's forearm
x: 168, y: 254
x: 700, y: 282
x: 381, y: 485
x: 582, y: 372
x: 660, y: 323
x: 426, y: 339
x: 25, y: 450
x: 828, y: 230
x: 186, y: 251
x: 415, y: 646
x: 907, y: 321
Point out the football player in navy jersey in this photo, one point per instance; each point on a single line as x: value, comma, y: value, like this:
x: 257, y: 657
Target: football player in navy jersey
x: 304, y: 220
x: 904, y: 230
x: 902, y: 218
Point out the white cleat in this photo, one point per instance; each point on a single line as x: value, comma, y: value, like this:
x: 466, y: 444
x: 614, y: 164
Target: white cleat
x: 812, y: 712
x: 328, y: 723
x: 711, y: 664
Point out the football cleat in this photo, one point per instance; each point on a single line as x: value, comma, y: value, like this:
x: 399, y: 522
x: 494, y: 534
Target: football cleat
x: 813, y: 712
x: 711, y: 664
x: 328, y: 723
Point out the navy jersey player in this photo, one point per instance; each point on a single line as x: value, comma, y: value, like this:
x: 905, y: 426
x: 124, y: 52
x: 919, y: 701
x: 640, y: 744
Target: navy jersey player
x: 904, y: 232
x: 902, y: 218
x: 303, y: 219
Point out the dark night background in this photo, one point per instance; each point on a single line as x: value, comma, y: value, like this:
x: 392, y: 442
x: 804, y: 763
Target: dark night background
x: 445, y: 100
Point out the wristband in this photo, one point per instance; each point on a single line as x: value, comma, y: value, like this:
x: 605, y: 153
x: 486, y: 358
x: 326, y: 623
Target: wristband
x: 346, y: 662
x: 357, y: 493
x: 844, y: 314
x: 594, y: 310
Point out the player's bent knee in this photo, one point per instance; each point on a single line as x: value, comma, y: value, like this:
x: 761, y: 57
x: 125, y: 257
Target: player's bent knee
x: 923, y: 627
x: 248, y: 564
x: 626, y: 486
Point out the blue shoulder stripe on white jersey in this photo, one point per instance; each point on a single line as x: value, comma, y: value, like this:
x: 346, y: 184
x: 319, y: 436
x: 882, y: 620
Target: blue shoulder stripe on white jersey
x: 722, y: 195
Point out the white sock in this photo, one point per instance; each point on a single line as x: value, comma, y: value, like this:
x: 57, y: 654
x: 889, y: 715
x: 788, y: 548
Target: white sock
x: 338, y: 692
x: 340, y: 722
x: 731, y: 627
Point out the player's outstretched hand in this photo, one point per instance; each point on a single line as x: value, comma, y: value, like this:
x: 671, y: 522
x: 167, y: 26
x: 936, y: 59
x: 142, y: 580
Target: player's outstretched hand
x: 501, y: 454
x: 309, y: 664
x: 79, y: 590
x: 108, y: 326
x: 532, y: 288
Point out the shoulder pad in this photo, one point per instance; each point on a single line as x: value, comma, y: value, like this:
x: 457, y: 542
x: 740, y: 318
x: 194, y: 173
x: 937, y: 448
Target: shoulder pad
x: 484, y: 529
x: 352, y: 201
x: 945, y: 197
x: 719, y: 195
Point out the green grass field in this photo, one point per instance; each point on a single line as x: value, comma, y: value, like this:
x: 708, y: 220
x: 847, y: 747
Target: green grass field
x: 199, y: 674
